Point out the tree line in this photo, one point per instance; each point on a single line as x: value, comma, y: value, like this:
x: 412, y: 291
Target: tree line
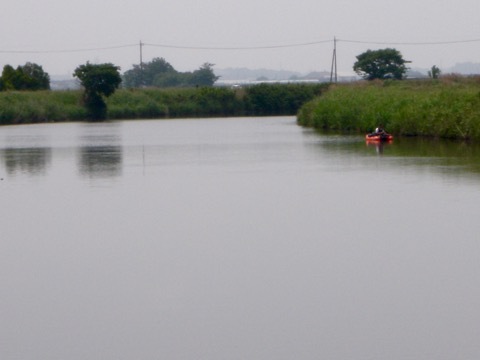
x: 372, y: 64
x: 99, y: 81
x: 156, y: 73
x: 27, y: 77
x: 161, y: 74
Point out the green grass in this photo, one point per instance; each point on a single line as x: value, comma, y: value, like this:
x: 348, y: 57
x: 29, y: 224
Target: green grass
x: 40, y: 106
x: 448, y: 108
x: 52, y: 106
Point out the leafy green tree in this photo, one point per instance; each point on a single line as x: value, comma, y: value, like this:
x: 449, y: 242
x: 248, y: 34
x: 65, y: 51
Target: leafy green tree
x: 34, y: 76
x: 99, y: 81
x: 380, y: 64
x: 27, y: 77
x: 145, y: 75
x: 159, y: 73
x: 204, y: 76
x: 10, y: 79
x: 155, y: 67
x: 170, y: 79
x: 434, y: 73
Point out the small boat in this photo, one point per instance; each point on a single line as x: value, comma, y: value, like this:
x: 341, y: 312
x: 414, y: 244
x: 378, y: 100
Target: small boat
x: 374, y: 137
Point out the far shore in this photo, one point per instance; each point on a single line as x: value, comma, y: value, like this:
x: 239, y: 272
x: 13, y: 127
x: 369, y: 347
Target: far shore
x: 26, y: 107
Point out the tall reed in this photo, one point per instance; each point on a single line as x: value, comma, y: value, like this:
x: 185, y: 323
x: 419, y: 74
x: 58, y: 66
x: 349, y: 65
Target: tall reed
x: 449, y: 108
x: 40, y: 106
x: 265, y: 99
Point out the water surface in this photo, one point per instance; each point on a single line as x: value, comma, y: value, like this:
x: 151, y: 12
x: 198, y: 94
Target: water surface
x: 246, y: 238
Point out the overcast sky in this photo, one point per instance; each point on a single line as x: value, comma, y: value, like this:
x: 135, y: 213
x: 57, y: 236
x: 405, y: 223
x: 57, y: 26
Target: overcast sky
x: 57, y: 33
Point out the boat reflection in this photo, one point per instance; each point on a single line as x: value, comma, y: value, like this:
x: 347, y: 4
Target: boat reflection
x: 378, y: 145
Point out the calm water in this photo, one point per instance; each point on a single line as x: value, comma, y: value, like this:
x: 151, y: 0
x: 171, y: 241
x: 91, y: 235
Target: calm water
x: 242, y: 239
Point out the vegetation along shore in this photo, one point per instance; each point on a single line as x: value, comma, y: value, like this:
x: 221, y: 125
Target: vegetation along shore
x: 443, y: 106
x: 150, y: 90
x: 447, y: 107
x: 22, y: 107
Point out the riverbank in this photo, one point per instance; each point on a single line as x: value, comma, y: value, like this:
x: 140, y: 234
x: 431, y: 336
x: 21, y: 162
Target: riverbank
x: 259, y: 100
x: 445, y: 108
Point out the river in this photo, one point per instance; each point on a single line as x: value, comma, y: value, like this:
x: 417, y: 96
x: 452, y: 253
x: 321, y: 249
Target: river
x: 247, y: 238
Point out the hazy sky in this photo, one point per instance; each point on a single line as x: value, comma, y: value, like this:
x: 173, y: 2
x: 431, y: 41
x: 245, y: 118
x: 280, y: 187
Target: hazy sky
x: 57, y: 33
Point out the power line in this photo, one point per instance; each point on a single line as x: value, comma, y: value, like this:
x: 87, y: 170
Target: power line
x: 231, y: 48
x: 65, y: 51
x: 163, y: 46
x: 262, y: 47
x: 411, y: 43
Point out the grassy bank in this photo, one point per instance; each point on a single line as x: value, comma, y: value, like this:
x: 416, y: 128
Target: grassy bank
x: 40, y: 106
x: 445, y: 108
x: 258, y: 100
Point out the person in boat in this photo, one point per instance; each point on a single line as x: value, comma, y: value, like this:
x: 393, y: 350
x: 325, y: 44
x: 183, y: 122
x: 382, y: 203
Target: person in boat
x: 379, y: 130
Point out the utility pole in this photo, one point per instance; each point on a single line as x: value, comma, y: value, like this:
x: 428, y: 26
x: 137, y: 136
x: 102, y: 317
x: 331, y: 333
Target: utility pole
x: 141, y: 63
x: 334, y: 61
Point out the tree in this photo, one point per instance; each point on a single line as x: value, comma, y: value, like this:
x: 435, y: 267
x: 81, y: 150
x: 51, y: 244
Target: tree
x: 145, y: 75
x: 170, y: 79
x: 98, y: 81
x: 159, y: 73
x: 27, y: 77
x: 10, y: 79
x: 204, y: 76
x: 434, y: 73
x: 35, y: 77
x: 380, y: 64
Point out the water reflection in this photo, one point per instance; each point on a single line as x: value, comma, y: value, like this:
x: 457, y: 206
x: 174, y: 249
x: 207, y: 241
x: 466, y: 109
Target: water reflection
x: 100, y: 161
x: 264, y: 239
x: 100, y: 151
x: 33, y: 161
x: 379, y: 147
x: 440, y: 156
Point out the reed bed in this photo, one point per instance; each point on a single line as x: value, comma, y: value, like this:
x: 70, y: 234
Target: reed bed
x: 53, y: 106
x: 447, y: 108
x: 40, y: 106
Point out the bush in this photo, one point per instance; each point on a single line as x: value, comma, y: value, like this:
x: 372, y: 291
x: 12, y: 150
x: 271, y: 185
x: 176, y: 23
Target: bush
x: 280, y: 99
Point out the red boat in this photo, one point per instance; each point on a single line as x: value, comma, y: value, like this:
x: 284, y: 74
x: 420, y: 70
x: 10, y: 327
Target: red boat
x: 383, y: 137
